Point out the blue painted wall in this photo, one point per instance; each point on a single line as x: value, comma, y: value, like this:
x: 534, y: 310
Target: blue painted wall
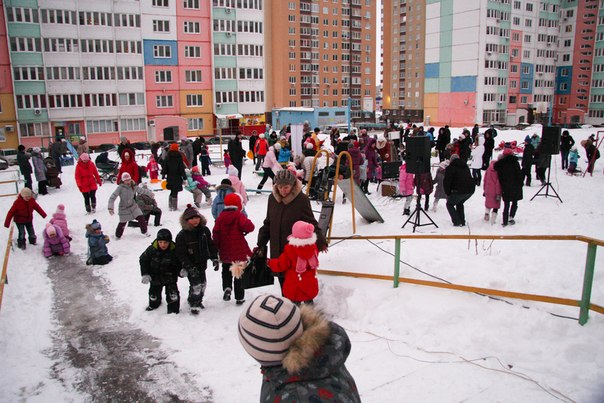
x: 163, y: 61
x: 563, y: 76
x: 432, y: 70
x: 527, y: 77
x: 463, y: 84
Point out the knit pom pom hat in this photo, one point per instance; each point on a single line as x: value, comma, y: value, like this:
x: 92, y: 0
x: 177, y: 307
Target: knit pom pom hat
x: 190, y: 212
x: 126, y: 177
x: 302, y: 230
x: 233, y: 200
x: 95, y: 225
x: 232, y: 171
x: 268, y: 327
x: 61, y: 208
x: 84, y: 157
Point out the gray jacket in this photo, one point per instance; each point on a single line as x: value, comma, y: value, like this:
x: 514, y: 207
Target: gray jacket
x: 127, y: 209
x: 39, y: 166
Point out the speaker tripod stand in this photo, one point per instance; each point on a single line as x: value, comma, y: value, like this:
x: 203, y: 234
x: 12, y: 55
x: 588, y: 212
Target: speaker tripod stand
x: 547, y: 186
x: 415, y: 216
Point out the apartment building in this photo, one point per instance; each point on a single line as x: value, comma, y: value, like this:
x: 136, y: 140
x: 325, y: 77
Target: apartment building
x: 321, y: 53
x: 494, y: 61
x: 8, y: 117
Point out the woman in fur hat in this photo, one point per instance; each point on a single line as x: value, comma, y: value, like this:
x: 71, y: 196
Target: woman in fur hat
x: 228, y: 235
x: 286, y: 205
x: 302, y: 354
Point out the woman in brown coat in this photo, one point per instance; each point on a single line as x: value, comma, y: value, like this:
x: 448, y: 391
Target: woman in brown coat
x: 286, y: 205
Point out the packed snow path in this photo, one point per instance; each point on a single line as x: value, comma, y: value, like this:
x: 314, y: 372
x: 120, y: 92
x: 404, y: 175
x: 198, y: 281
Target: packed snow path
x: 97, y: 352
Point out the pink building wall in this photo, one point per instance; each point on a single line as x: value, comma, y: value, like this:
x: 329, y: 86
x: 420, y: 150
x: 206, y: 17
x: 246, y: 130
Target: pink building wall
x: 206, y: 77
x: 153, y: 110
x: 205, y: 58
x: 514, y: 76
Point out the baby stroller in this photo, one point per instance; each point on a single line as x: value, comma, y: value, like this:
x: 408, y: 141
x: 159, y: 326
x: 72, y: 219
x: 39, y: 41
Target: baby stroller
x: 108, y: 171
x: 52, y: 173
x: 107, y: 168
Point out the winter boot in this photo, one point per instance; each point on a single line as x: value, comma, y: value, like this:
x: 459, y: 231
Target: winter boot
x: 93, y: 210
x: 407, y: 211
x: 227, y: 295
x: 427, y: 206
x: 259, y: 188
x: 486, y: 215
x: 32, y: 240
x: 493, y: 218
x: 21, y: 244
x: 176, y: 203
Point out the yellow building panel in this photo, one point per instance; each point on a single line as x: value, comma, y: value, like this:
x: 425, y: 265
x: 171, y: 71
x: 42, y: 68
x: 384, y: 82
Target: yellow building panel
x: 207, y: 102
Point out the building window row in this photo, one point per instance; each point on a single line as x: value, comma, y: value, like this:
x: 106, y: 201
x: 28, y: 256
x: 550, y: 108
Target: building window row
x: 195, y: 124
x: 225, y: 73
x: 68, y: 17
x: 241, y: 4
x: 101, y: 126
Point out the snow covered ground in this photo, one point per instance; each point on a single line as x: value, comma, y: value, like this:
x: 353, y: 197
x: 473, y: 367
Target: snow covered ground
x: 410, y: 343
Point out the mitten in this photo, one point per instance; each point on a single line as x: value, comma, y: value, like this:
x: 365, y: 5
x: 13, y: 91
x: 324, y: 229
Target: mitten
x: 183, y: 273
x: 146, y: 279
x: 215, y: 263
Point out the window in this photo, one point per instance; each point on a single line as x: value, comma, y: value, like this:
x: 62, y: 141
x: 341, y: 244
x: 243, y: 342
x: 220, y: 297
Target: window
x: 28, y: 73
x: 195, y: 124
x: 98, y: 73
x: 159, y: 3
x: 132, y: 99
x: 193, y: 51
x: 193, y: 76
x: 529, y: 7
x: 100, y: 100
x: 128, y: 47
x: 161, y: 26
x: 191, y: 4
x: 101, y: 126
x: 65, y: 101
x: 34, y: 129
x: 20, y: 44
x: 31, y: 101
x: 164, y: 101
x: 132, y: 125
x: 162, y: 51
x: 95, y: 18
x: 129, y: 73
x: 191, y: 27
x: 163, y: 76
x: 62, y: 73
x: 194, y: 100
x: 58, y: 17
x: 19, y: 14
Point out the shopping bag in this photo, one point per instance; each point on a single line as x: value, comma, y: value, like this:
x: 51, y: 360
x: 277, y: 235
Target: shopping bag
x: 257, y: 273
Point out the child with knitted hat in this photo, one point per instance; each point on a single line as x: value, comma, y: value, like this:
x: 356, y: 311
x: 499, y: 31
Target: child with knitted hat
x: 228, y: 234
x: 302, y: 354
x: 299, y: 260
x: 60, y: 219
x: 55, y: 242
x: 22, y: 211
x: 160, y: 268
x: 194, y: 246
x: 202, y: 185
x: 97, y: 244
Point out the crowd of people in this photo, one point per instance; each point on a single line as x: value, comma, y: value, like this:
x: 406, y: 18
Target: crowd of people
x: 289, y: 236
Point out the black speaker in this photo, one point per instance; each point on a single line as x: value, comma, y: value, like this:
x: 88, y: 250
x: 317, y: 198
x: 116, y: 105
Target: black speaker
x: 417, y: 154
x: 390, y: 170
x: 550, y: 140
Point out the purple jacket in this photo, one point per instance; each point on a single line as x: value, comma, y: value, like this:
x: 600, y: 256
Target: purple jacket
x: 60, y: 220
x: 405, y: 181
x: 492, y: 187
x: 57, y: 245
x: 372, y: 157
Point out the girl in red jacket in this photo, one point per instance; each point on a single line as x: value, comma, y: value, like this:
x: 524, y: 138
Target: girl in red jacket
x: 22, y: 212
x: 87, y: 178
x: 128, y: 165
x: 228, y: 234
x: 299, y: 261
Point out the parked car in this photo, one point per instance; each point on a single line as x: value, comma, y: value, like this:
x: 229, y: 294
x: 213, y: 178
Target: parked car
x: 10, y: 154
x: 141, y: 145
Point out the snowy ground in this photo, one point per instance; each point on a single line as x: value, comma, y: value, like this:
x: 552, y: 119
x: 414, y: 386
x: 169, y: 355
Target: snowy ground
x: 409, y: 343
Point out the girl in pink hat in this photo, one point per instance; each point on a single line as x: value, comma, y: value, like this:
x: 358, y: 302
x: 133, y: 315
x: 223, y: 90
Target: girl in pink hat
x: 299, y: 260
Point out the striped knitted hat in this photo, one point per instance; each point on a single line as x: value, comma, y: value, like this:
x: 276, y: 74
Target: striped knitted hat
x: 268, y: 327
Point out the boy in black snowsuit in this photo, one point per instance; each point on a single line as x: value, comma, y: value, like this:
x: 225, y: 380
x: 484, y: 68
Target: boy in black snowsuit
x: 194, y: 247
x: 160, y: 268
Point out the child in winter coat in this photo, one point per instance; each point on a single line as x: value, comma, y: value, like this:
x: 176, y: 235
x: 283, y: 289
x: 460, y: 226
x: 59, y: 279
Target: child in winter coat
x: 198, y: 186
x: 127, y: 209
x: 22, y: 211
x: 573, y: 158
x: 145, y: 199
x: 406, y: 186
x: 228, y: 234
x: 222, y: 190
x: 299, y: 260
x: 97, y: 244
x: 55, y: 242
x: 492, y: 193
x: 60, y: 220
x: 438, y: 180
x: 227, y: 161
x: 424, y: 181
x: 160, y: 268
x: 153, y: 168
x: 237, y: 184
x: 301, y: 353
x: 204, y: 157
x: 194, y: 246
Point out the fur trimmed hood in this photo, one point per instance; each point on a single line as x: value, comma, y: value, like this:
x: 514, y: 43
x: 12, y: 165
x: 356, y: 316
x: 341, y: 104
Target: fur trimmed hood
x: 187, y: 227
x: 290, y: 197
x: 302, y: 241
x: 314, y: 337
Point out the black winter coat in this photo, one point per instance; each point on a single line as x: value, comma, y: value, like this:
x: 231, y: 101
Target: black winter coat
x: 174, y: 170
x: 510, y: 178
x: 23, y: 161
x: 194, y: 245
x: 236, y: 151
x: 566, y: 142
x: 162, y: 265
x: 527, y: 156
x: 458, y: 179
